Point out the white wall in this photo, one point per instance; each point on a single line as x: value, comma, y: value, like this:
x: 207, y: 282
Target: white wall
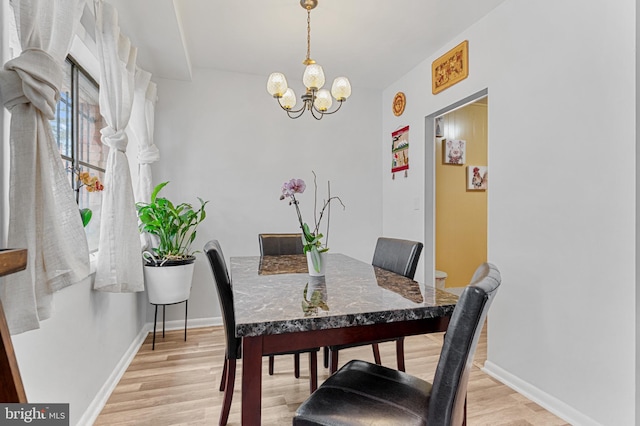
x: 223, y: 138
x: 562, y: 230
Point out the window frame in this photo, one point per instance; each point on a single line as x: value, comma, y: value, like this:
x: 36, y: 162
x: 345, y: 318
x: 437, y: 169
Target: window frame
x: 77, y: 72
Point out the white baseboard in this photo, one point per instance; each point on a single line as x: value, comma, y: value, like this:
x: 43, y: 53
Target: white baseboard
x: 548, y: 402
x: 191, y: 323
x: 96, y: 406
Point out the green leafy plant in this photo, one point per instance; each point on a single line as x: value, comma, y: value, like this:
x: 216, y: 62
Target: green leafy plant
x: 174, y: 225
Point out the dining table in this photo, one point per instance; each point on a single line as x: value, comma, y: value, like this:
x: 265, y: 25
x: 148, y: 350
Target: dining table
x: 280, y: 307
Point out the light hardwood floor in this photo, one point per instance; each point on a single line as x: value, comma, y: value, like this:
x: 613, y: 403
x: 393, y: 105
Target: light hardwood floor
x: 177, y: 384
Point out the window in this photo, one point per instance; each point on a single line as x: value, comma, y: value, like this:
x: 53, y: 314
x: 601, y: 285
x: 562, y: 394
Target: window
x: 76, y: 128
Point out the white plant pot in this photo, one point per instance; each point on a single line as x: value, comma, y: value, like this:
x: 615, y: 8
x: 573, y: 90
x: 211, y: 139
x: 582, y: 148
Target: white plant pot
x: 323, y: 265
x: 168, y: 284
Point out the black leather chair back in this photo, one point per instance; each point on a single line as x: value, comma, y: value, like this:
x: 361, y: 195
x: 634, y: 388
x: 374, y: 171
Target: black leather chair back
x: 399, y: 256
x: 446, y: 406
x: 223, y: 285
x: 280, y: 244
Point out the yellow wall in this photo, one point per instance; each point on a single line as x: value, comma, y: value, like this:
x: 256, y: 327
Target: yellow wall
x: 461, y: 215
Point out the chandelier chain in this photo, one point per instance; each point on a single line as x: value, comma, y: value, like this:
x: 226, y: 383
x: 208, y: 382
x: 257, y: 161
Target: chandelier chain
x: 308, y: 33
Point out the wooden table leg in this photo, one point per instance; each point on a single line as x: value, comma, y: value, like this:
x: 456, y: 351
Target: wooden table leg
x: 251, y: 380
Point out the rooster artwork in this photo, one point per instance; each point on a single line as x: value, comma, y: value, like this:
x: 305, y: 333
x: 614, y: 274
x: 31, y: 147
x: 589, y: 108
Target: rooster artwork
x: 477, y: 177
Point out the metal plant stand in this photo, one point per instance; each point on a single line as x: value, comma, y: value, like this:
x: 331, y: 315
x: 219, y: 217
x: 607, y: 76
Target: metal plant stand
x: 155, y: 319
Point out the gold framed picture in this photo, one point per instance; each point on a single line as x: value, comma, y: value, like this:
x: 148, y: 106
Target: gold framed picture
x: 450, y: 68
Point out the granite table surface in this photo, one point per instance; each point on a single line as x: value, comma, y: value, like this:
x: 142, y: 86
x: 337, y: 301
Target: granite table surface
x: 276, y: 295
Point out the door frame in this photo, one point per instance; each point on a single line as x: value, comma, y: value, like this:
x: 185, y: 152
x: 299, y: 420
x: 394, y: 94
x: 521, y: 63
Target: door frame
x: 430, y: 181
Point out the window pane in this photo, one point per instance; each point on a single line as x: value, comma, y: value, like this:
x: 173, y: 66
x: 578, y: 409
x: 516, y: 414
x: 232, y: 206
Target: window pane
x: 61, y: 123
x: 90, y: 148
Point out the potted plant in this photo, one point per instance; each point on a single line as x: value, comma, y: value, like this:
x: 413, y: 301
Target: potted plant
x: 168, y: 268
x: 312, y: 243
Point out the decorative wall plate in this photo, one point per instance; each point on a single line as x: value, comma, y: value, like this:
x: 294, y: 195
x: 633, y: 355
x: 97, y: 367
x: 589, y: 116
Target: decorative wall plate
x: 399, y: 102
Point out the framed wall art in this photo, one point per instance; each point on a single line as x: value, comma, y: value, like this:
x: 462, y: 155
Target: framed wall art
x: 450, y: 68
x: 477, y: 178
x: 400, y: 151
x: 453, y: 151
x: 439, y: 122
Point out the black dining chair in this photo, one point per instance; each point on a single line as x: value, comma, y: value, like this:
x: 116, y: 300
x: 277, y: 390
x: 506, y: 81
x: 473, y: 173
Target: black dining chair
x: 395, y: 255
x: 361, y: 393
x: 234, y: 344
x: 278, y: 245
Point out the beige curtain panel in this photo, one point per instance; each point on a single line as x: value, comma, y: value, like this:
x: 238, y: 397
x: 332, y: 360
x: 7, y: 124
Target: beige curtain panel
x: 141, y: 126
x: 43, y: 213
x: 119, y: 267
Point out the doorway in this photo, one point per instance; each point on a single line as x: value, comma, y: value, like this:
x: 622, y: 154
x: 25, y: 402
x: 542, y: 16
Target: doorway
x: 457, y: 186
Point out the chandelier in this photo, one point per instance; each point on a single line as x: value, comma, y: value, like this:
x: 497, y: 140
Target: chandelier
x: 316, y: 99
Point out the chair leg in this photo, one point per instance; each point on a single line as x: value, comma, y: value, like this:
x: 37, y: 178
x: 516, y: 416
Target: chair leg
x: 376, y: 353
x: 271, y: 365
x: 464, y: 416
x: 400, y: 353
x: 313, y: 371
x: 333, y: 365
x: 228, y: 392
x: 224, y: 374
x: 326, y: 356
x: 296, y: 365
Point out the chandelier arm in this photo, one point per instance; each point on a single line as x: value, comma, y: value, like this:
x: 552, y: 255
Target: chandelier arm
x: 332, y: 112
x: 289, y: 110
x: 299, y: 113
x: 313, y: 110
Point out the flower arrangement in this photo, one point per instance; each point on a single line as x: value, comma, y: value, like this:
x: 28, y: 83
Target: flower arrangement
x: 311, y: 239
x: 89, y: 181
x: 92, y: 184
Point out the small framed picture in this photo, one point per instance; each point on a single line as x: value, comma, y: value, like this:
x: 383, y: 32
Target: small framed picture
x: 453, y: 151
x: 477, y: 178
x: 439, y: 130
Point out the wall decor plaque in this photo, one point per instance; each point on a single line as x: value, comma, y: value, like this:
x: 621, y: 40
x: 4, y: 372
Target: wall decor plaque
x: 450, y: 68
x: 399, y: 102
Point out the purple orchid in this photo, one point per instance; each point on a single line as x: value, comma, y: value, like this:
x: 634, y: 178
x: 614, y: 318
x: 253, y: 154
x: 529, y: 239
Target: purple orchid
x: 294, y: 186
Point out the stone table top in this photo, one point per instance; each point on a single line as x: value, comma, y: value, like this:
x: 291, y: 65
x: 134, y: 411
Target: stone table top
x: 276, y: 294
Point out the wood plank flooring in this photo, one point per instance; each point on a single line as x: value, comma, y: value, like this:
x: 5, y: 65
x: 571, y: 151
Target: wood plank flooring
x: 177, y: 384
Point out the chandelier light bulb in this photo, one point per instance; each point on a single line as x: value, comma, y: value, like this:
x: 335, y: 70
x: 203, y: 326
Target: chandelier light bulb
x: 277, y: 84
x: 341, y: 88
x: 323, y: 100
x: 288, y: 100
x: 313, y: 77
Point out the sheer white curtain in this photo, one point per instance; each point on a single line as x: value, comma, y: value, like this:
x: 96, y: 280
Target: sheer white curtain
x: 142, y: 121
x: 43, y: 214
x: 119, y: 260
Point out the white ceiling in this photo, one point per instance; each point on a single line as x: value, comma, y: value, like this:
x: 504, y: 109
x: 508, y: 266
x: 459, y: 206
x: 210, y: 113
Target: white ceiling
x: 372, y: 42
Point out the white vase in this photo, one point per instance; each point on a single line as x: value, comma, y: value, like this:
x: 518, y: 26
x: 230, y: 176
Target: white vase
x: 323, y: 264
x: 168, y: 284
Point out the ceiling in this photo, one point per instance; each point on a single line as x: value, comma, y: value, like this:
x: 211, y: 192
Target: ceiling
x: 372, y: 42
